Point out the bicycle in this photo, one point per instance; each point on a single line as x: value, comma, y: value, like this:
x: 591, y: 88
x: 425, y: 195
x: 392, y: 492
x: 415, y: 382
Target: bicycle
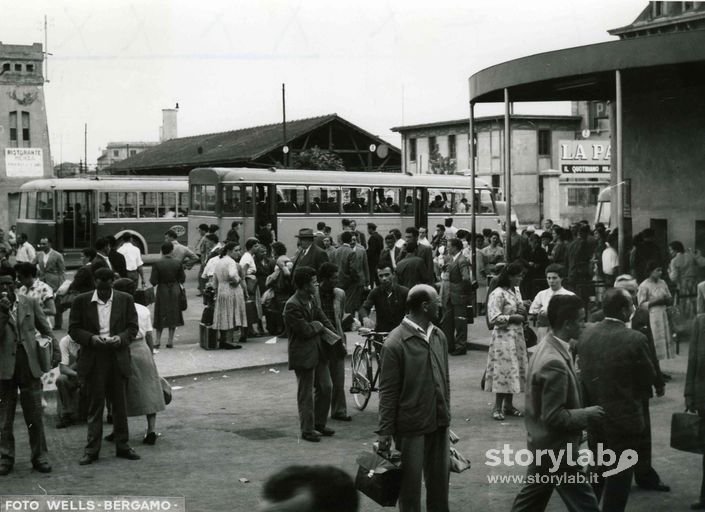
x: 365, y: 366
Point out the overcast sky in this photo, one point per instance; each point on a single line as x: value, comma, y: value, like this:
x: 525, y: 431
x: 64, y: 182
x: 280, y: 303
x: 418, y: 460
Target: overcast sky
x: 115, y: 64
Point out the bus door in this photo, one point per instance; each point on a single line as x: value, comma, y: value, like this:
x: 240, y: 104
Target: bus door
x: 77, y: 218
x: 421, y: 209
x: 265, y: 207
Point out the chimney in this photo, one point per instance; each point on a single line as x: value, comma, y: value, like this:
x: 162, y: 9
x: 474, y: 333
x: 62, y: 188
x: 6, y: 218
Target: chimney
x: 168, y: 129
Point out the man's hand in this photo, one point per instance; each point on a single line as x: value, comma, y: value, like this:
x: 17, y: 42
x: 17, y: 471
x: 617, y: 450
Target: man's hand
x: 594, y: 412
x: 5, y: 302
x: 97, y: 341
x: 385, y: 443
x: 317, y: 326
x: 690, y: 404
x: 661, y: 391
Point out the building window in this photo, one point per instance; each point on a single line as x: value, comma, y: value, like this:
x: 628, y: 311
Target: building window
x: 133, y: 152
x: 544, y: 142
x: 30, y: 68
x: 6, y: 66
x: 583, y: 197
x: 412, y: 150
x: 451, y: 146
x: 656, y: 9
x: 688, y: 5
x: 116, y: 152
x: 18, y: 67
x: 13, y: 129
x: 25, y: 128
x: 432, y: 146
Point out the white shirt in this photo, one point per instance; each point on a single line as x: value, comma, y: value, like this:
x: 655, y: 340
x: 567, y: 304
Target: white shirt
x: 565, y: 344
x: 26, y: 253
x: 424, y: 241
x: 107, y: 260
x: 425, y: 335
x: 249, y: 260
x: 451, y: 232
x: 540, y: 303
x: 133, y: 257
x: 69, y: 350
x: 209, y: 269
x: 104, y: 311
x: 610, y: 260
x: 144, y: 321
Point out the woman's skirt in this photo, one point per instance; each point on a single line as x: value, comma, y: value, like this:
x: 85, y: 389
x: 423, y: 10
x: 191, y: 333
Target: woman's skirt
x: 144, y: 391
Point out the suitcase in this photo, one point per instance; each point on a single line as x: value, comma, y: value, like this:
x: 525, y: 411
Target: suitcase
x: 208, y: 338
x: 379, y: 478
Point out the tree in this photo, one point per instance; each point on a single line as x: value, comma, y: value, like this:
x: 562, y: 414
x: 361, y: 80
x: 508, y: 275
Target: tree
x: 317, y: 159
x: 439, y: 164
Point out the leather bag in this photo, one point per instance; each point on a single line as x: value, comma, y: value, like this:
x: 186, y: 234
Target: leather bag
x: 183, y: 303
x: 45, y: 352
x: 379, y: 478
x: 687, y: 432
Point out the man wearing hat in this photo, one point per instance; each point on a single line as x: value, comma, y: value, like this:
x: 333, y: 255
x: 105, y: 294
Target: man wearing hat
x: 309, y: 255
x: 20, y: 317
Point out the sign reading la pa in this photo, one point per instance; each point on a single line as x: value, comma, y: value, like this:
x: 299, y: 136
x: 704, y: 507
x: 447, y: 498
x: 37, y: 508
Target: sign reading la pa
x: 585, y: 156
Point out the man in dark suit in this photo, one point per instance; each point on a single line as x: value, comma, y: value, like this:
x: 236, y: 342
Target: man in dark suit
x: 104, y: 322
x: 309, y: 255
x: 304, y: 322
x: 454, y: 322
x: 412, y: 269
x: 422, y: 251
x: 388, y: 257
x: 20, y: 318
x: 615, y: 368
x: 344, y: 259
x: 102, y: 258
x: 555, y: 416
x: 117, y: 259
x: 375, y: 243
x: 360, y: 235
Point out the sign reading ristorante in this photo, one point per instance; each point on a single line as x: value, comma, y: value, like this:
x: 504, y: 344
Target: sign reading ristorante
x: 585, y: 156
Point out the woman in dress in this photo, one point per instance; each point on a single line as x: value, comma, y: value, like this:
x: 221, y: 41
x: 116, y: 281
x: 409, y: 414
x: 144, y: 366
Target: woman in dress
x: 494, y: 253
x: 505, y: 374
x: 168, y: 276
x: 654, y: 293
x: 252, y: 296
x: 144, y: 394
x: 229, y: 299
x: 683, y: 272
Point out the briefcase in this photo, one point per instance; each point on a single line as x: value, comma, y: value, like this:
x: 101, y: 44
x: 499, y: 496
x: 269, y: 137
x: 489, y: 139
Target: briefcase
x: 208, y: 338
x: 687, y: 432
x: 378, y: 478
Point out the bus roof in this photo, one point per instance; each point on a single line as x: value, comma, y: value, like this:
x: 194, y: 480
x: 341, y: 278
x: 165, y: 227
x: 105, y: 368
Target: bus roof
x: 208, y: 175
x: 109, y: 183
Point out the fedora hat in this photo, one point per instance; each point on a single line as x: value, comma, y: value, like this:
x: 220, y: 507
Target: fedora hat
x: 305, y: 233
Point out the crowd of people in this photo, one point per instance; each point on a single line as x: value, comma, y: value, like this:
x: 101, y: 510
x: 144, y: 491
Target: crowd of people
x: 418, y: 288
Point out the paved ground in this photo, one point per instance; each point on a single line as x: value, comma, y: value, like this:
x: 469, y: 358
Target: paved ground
x: 242, y: 424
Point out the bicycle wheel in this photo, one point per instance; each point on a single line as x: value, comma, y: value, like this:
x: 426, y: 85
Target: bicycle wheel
x: 361, y: 381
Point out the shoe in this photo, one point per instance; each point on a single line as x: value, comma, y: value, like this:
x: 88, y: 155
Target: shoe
x: 63, y: 422
x: 513, y: 411
x: 6, y: 466
x: 169, y: 346
x: 659, y: 486
x: 313, y: 437
x: 87, y: 459
x: 41, y: 466
x: 666, y: 377
x: 700, y: 505
x: 342, y: 417
x: 157, y: 347
x: 128, y: 454
x: 324, y: 431
x: 459, y: 352
x: 150, y: 438
x: 110, y: 437
x: 497, y: 415
x: 229, y: 346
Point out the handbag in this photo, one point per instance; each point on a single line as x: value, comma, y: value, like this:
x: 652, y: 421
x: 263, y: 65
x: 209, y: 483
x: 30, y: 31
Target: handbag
x: 166, y: 390
x: 458, y: 462
x: 687, y: 432
x: 379, y: 478
x: 183, y: 303
x: 530, y: 336
x: 45, y: 352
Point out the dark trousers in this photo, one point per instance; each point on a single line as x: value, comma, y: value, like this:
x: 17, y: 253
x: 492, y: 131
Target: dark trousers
x: 534, y: 496
x: 31, y: 401
x: 106, y: 380
x: 135, y: 276
x: 68, y: 399
x: 454, y: 325
x: 425, y: 455
x: 59, y: 316
x: 313, y: 396
x: 338, y: 405
x: 644, y: 474
x: 613, y: 491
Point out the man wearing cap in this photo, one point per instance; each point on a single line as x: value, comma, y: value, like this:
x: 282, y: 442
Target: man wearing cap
x: 104, y: 322
x: 375, y: 244
x: 309, y: 255
x: 20, y: 318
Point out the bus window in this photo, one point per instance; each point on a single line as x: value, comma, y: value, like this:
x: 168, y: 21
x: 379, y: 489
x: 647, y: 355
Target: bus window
x: 108, y: 207
x: 463, y: 202
x: 183, y: 204
x: 356, y: 200
x: 440, y: 201
x: 167, y: 205
x: 45, y: 205
x: 291, y: 199
x: 203, y: 197
x: 127, y: 207
x: 386, y: 200
x: 408, y: 205
x: 31, y: 207
x: 486, y: 202
x: 149, y: 202
x: 232, y: 200
x: 324, y: 199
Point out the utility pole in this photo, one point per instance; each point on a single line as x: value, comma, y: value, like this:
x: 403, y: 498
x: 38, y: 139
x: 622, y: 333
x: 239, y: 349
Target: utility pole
x: 286, y: 152
x: 85, y: 145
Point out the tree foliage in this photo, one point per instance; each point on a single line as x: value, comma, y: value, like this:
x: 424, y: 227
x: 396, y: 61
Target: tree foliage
x: 318, y: 159
x: 439, y: 164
